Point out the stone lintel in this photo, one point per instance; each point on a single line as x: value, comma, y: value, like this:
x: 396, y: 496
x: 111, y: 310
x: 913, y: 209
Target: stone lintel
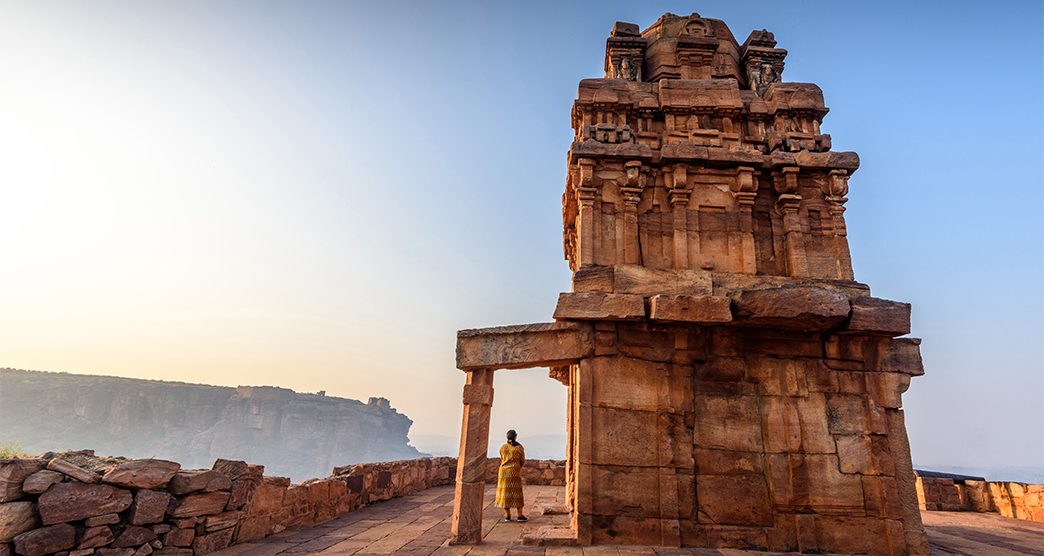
x: 806, y: 308
x: 524, y: 346
x: 599, y: 306
x: 690, y: 308
x: 872, y: 315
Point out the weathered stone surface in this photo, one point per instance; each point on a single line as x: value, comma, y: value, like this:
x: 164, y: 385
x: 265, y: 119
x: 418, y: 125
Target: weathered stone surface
x: 796, y: 307
x: 903, y: 355
x: 200, y: 504
x: 635, y: 279
x: 223, y: 520
x: 105, y: 519
x: 13, y: 473
x: 142, y: 473
x: 599, y: 306
x: 879, y: 316
x: 94, y: 537
x: 149, y: 506
x: 133, y: 536
x: 194, y: 480
x: 46, y: 540
x: 15, y: 519
x: 734, y: 499
x: 690, y: 308
x: 41, y: 481
x: 180, y: 537
x: 525, y: 346
x: 212, y: 542
x: 76, y: 472
x: 66, y: 502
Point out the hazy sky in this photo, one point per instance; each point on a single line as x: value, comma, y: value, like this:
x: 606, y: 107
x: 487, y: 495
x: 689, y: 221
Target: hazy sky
x: 318, y: 195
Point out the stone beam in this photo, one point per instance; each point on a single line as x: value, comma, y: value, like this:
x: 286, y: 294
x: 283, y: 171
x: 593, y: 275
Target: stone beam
x: 525, y: 346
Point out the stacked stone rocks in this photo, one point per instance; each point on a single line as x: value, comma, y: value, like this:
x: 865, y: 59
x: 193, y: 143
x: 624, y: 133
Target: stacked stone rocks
x: 78, y: 504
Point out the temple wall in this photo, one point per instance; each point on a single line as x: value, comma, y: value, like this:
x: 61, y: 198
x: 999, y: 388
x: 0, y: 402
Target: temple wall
x: 718, y: 437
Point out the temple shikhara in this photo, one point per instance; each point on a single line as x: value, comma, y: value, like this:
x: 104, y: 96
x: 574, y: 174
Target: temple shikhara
x: 729, y: 383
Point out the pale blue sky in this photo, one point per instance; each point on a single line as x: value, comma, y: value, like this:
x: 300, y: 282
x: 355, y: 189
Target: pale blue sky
x: 318, y: 195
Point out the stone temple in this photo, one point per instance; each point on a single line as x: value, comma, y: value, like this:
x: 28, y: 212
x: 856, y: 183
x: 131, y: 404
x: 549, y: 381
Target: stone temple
x: 729, y: 383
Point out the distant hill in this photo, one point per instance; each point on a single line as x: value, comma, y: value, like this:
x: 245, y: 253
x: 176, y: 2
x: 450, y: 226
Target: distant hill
x: 292, y: 434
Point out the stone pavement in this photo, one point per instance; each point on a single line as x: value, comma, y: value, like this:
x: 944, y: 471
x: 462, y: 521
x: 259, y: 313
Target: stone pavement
x: 420, y: 524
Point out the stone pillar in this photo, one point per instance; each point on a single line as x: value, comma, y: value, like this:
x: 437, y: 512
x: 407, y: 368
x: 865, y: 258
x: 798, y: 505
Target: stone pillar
x: 835, y: 191
x: 632, y: 195
x: 471, y: 462
x: 788, y: 205
x: 586, y: 196
x: 678, y: 195
x: 745, y: 190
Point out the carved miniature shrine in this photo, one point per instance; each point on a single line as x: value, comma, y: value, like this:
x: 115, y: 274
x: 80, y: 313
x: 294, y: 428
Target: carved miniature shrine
x: 729, y: 384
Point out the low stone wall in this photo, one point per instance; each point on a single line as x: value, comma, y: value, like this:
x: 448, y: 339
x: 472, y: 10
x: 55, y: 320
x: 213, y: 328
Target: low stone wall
x: 80, y: 504
x: 549, y: 472
x: 1014, y: 500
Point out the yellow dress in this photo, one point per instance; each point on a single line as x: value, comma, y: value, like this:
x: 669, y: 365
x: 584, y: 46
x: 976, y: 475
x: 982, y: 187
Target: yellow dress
x: 509, y: 477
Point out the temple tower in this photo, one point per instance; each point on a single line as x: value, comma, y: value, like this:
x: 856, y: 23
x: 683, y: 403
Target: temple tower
x: 730, y: 384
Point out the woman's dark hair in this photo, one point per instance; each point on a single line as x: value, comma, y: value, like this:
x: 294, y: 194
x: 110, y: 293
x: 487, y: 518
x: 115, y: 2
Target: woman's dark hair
x: 511, y: 436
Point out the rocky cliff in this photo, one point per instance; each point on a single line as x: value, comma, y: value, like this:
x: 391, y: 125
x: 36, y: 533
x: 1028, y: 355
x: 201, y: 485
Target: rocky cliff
x: 292, y: 434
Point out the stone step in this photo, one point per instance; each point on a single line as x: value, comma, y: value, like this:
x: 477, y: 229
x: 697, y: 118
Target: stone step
x: 550, y: 536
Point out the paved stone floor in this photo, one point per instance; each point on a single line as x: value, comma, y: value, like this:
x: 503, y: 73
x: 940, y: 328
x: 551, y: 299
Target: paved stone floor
x: 420, y: 524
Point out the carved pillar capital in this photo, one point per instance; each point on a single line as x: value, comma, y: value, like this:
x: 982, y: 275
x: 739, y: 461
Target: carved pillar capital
x: 745, y: 188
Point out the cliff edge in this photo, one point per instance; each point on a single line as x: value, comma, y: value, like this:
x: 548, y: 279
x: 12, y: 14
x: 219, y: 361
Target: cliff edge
x: 292, y: 434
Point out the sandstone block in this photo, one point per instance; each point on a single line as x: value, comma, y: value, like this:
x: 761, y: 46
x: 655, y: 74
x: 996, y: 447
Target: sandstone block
x: 903, y: 355
x: 525, y: 346
x: 221, y: 521
x: 728, y: 462
x: 200, y: 504
x: 804, y: 308
x: 193, y: 480
x: 854, y: 454
x: 727, y: 369
x: 599, y: 306
x: 15, y: 519
x: 149, y: 506
x: 142, y: 473
x: 625, y: 383
x: 234, y: 469
x: 133, y: 536
x: 13, y: 473
x: 828, y: 487
x: 851, y: 535
x: 41, y: 480
x: 212, y: 542
x: 879, y: 316
x: 106, y: 519
x: 701, y: 309
x: 728, y: 423
x: 184, y: 537
x: 645, y: 281
x: 46, y: 540
x: 94, y: 537
x: 65, y: 502
x: 734, y: 499
x: 74, y: 471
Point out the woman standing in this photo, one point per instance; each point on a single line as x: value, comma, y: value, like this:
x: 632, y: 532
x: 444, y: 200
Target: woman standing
x: 509, y: 477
